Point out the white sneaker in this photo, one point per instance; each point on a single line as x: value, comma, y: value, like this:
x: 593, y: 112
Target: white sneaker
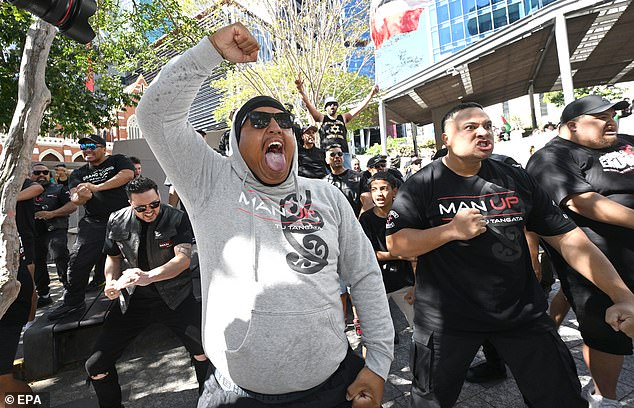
x: 597, y: 401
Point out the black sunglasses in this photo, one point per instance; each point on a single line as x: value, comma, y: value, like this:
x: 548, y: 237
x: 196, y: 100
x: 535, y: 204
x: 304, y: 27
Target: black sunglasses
x: 38, y: 172
x: 88, y: 146
x: 142, y: 208
x: 333, y: 154
x: 261, y: 120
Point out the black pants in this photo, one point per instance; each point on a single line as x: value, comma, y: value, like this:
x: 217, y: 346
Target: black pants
x: 86, y: 252
x: 55, y: 243
x: 119, y: 330
x: 330, y: 394
x: 539, y: 360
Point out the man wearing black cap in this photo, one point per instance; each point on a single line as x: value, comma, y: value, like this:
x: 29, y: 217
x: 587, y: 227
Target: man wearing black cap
x: 311, y: 158
x: 349, y: 182
x: 100, y: 187
x: 333, y: 126
x: 589, y: 171
x: 272, y: 248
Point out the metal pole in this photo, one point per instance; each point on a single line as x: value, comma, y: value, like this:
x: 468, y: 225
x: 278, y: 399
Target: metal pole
x: 383, y: 127
x: 563, y: 55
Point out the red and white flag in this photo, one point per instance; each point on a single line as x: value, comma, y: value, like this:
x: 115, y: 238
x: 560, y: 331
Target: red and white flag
x: 393, y: 17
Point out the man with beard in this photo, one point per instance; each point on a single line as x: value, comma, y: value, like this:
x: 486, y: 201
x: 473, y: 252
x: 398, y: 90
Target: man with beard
x: 100, y: 187
x: 464, y: 217
x: 311, y: 158
x: 52, y: 209
x: 346, y: 180
x: 272, y: 247
x: 589, y: 171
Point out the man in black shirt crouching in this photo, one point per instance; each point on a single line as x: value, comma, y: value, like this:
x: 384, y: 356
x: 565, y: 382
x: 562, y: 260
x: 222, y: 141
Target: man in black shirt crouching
x: 151, y: 243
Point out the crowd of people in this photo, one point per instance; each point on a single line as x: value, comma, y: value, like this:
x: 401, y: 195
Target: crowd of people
x: 289, y: 232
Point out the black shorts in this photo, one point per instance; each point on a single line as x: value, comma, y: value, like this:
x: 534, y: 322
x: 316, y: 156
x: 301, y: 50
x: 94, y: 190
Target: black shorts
x: 590, y: 304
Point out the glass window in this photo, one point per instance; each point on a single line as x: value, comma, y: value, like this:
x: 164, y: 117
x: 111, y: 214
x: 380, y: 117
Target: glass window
x: 496, y: 1
x: 457, y: 31
x: 546, y: 2
x: 499, y: 18
x: 482, y: 3
x: 472, y: 25
x: 443, y: 13
x: 514, y: 12
x: 445, y: 37
x: 454, y: 9
x: 484, y: 23
x: 468, y: 5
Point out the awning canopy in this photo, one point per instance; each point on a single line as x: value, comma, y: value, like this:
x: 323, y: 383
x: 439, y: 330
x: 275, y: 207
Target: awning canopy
x: 505, y: 64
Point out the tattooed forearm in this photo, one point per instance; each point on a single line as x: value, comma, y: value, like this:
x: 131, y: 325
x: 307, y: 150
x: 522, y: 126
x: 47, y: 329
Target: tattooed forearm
x: 185, y: 249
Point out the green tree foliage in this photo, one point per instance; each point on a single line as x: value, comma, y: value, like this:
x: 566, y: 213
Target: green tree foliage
x: 126, y: 32
x: 316, y: 41
x: 612, y: 92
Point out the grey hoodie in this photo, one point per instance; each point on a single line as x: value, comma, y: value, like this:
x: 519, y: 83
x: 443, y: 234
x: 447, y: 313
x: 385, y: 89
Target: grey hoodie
x: 270, y: 256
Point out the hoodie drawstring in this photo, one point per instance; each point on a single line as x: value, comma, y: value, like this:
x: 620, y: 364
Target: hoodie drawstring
x: 254, y: 252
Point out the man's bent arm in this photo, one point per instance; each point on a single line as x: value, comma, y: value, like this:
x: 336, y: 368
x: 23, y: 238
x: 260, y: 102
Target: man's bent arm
x: 173, y: 267
x: 410, y: 242
x: 30, y: 192
x: 582, y: 255
x: 600, y: 208
x: 120, y: 179
x: 112, y: 269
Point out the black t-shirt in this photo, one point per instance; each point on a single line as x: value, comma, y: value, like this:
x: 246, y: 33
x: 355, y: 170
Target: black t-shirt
x: 183, y: 236
x: 25, y: 215
x: 486, y: 283
x: 349, y: 183
x: 105, y: 202
x: 312, y: 162
x: 333, y: 131
x: 564, y: 168
x: 397, y: 274
x: 54, y: 196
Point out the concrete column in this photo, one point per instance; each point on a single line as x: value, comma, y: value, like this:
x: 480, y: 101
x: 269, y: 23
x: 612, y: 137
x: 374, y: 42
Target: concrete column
x: 531, y: 97
x: 383, y: 126
x: 437, y: 114
x: 563, y: 55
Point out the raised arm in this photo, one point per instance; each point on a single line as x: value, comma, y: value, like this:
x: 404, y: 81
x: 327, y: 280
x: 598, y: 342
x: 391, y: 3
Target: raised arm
x: 600, y: 208
x: 317, y: 116
x: 348, y: 116
x: 164, y: 108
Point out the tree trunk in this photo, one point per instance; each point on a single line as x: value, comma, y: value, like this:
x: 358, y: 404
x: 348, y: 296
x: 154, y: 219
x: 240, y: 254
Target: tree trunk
x: 33, y: 98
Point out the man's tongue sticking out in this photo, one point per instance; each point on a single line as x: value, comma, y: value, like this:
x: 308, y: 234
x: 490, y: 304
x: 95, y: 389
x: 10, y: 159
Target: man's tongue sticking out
x: 274, y: 157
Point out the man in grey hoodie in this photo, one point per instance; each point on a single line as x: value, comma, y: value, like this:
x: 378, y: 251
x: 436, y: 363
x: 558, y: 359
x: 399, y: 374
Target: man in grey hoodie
x: 272, y: 248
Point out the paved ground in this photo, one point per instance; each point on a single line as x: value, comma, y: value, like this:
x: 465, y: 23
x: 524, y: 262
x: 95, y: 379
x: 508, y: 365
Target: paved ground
x: 155, y: 372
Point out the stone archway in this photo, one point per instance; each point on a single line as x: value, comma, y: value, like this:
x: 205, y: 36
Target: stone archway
x: 51, y: 155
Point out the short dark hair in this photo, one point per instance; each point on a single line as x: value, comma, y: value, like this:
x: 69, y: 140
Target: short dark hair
x: 60, y: 165
x: 140, y: 185
x: 384, y: 175
x: 334, y: 146
x: 135, y: 159
x: 461, y: 106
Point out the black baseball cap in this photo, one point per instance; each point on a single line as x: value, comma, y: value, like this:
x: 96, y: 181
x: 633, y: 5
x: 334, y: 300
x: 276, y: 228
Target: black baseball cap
x: 374, y: 160
x: 588, y: 105
x: 96, y: 139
